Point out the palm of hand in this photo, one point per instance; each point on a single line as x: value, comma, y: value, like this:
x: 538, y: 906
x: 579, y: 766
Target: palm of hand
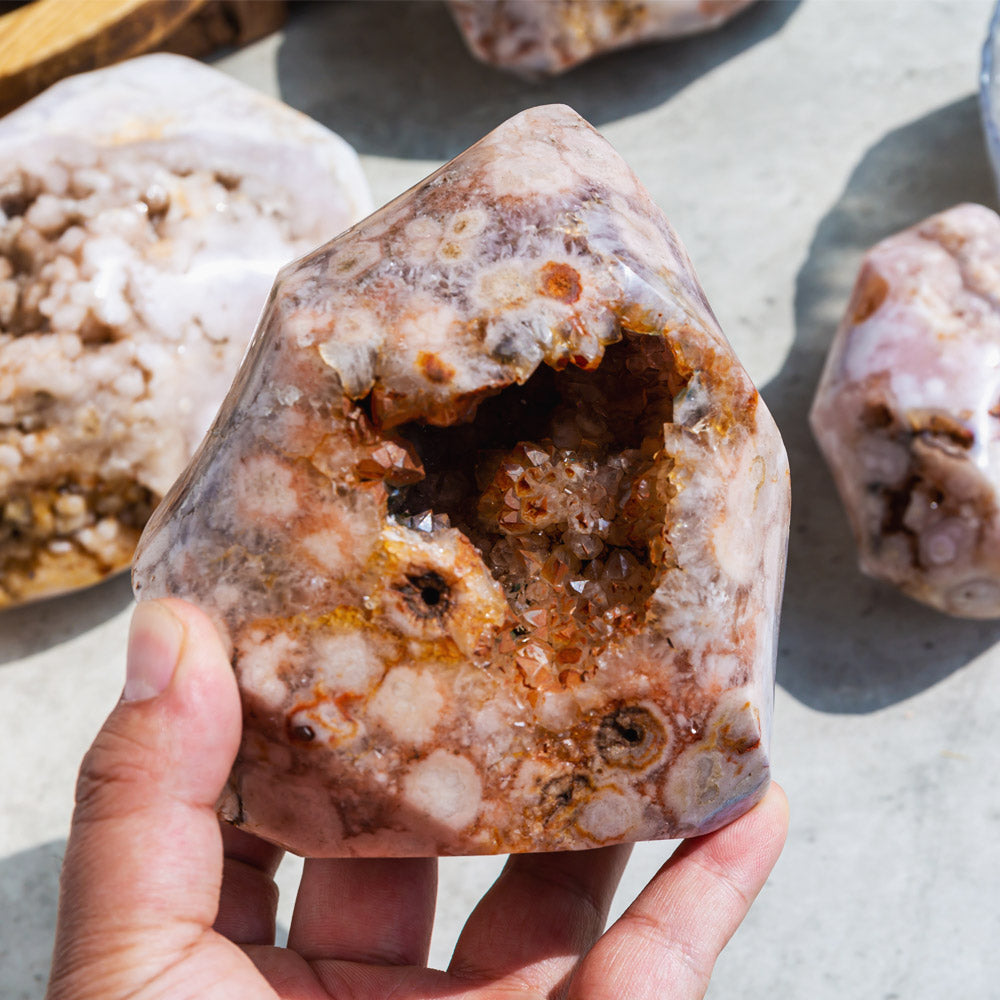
x: 524, y: 939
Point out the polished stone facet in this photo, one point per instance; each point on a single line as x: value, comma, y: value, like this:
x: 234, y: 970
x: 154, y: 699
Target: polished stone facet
x: 533, y: 37
x: 493, y: 522
x: 144, y: 209
x: 907, y: 411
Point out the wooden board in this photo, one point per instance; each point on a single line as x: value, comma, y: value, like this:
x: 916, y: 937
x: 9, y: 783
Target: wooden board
x: 43, y: 41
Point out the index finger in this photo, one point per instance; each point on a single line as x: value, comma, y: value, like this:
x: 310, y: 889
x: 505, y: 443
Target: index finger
x: 667, y: 941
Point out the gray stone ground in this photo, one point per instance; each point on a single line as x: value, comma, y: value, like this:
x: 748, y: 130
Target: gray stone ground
x: 780, y: 148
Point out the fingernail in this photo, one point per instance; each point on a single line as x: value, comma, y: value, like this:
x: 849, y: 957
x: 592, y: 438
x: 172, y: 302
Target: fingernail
x: 154, y: 645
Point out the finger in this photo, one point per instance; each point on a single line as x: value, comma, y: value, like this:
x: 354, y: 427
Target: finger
x: 248, y: 902
x: 377, y: 910
x: 143, y: 863
x: 666, y: 943
x: 540, y: 917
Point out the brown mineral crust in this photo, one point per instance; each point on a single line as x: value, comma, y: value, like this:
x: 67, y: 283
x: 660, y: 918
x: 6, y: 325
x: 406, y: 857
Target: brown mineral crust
x: 473, y: 521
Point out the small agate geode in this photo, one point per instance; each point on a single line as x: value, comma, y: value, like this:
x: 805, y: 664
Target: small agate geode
x: 907, y: 411
x: 494, y: 525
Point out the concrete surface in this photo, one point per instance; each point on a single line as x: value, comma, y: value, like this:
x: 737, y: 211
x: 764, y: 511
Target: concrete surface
x: 780, y: 148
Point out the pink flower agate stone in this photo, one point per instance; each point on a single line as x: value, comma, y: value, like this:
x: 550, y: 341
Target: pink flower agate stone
x: 907, y: 411
x: 493, y: 523
x: 532, y: 37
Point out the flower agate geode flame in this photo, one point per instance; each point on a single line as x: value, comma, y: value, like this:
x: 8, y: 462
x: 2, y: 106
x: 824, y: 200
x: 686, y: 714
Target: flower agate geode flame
x: 493, y: 522
x: 907, y: 411
x: 530, y: 37
x: 144, y: 210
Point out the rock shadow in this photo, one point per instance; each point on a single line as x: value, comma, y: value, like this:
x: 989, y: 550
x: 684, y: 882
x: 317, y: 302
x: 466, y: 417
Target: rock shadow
x: 29, y: 901
x: 42, y: 624
x: 848, y: 643
x: 395, y: 78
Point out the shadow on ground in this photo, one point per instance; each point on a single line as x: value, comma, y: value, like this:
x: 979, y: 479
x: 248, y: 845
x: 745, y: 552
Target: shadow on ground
x: 34, y: 627
x: 395, y: 79
x: 29, y: 899
x: 858, y: 645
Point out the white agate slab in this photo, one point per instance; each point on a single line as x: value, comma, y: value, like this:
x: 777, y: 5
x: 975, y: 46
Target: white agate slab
x: 144, y: 210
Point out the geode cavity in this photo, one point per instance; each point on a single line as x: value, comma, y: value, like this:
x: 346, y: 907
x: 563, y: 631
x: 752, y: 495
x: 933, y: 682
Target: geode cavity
x: 493, y: 522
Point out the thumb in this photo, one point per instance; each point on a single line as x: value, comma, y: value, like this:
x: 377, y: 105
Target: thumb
x: 143, y: 863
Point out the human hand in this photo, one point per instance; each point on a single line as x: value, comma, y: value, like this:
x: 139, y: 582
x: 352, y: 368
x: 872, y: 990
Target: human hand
x: 158, y: 902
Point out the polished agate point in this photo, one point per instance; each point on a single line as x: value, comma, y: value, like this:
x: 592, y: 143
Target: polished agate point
x: 144, y: 210
x: 493, y: 523
x: 907, y: 411
x: 532, y: 37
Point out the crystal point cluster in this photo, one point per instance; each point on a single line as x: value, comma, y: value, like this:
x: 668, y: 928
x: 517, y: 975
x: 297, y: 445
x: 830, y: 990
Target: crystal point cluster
x: 907, y: 411
x: 493, y: 523
x: 144, y: 209
x: 533, y: 37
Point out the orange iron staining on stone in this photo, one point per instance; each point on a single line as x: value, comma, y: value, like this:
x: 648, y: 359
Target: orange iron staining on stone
x: 434, y: 368
x: 493, y: 522
x: 560, y: 281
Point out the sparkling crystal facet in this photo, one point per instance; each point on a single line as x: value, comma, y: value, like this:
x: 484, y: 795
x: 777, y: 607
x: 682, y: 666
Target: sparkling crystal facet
x: 581, y: 650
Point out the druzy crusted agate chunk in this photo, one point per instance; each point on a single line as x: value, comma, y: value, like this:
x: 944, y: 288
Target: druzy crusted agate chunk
x: 908, y: 406
x: 530, y: 37
x: 144, y: 210
x: 493, y: 522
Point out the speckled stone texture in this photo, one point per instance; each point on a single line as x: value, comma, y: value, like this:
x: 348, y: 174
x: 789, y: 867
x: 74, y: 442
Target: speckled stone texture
x: 493, y: 523
x: 144, y: 210
x: 907, y: 411
x: 533, y: 38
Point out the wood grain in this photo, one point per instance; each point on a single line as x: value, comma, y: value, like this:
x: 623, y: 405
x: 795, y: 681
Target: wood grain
x: 43, y: 41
